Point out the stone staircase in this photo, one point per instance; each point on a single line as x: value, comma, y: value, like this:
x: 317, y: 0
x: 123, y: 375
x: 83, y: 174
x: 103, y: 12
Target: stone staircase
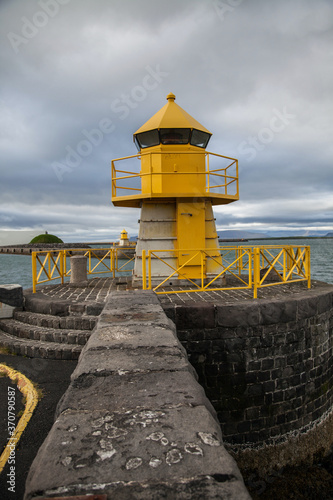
x: 50, y: 336
x: 57, y: 320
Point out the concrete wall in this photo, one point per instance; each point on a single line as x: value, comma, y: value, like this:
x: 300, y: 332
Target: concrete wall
x: 266, y: 365
x: 134, y: 423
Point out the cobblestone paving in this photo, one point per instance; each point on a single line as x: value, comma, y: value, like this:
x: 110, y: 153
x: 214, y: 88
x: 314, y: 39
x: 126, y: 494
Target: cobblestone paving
x: 98, y: 289
x: 231, y: 296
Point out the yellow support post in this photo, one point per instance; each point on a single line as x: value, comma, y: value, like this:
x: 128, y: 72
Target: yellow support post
x: 202, y: 268
x: 256, y: 271
x: 249, y: 255
x: 308, y: 265
x: 89, y: 260
x: 144, y: 271
x: 65, y: 262
x: 49, y: 264
x: 113, y: 266
x: 34, y: 271
x: 111, y: 262
x: 62, y: 267
x: 149, y: 269
x: 286, y: 260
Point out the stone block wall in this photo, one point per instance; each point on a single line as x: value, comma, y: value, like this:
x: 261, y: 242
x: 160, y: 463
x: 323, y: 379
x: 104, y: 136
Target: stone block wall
x: 11, y: 297
x: 266, y: 366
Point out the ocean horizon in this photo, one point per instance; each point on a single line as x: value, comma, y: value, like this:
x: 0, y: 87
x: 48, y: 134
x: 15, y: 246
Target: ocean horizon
x: 17, y: 268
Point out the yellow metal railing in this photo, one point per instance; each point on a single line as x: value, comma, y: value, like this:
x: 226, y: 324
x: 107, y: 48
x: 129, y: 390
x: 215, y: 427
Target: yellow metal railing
x: 246, y: 267
x: 218, y: 181
x: 283, y: 264
x: 53, y: 264
x: 47, y: 266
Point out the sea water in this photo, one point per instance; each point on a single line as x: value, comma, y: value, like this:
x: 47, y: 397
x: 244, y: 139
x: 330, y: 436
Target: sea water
x: 17, y: 268
x: 321, y: 250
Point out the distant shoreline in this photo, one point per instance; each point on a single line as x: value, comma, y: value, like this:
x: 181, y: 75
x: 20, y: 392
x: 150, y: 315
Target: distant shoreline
x: 230, y: 240
x: 293, y: 238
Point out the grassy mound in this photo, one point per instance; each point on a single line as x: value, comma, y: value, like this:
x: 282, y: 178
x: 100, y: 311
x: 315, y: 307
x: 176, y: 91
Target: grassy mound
x: 46, y: 238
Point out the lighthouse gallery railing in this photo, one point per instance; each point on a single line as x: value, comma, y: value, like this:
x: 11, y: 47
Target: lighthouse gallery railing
x: 219, y: 180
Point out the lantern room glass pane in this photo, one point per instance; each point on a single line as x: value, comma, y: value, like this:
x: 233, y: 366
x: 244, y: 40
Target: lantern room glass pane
x: 199, y: 138
x: 175, y: 135
x: 147, y: 139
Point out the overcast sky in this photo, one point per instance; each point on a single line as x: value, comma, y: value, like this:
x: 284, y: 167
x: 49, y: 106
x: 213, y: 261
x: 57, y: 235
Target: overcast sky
x: 78, y: 77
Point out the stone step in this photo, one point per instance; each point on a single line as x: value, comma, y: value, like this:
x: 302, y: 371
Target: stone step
x: 50, y: 321
x: 37, y: 349
x: 44, y: 334
x: 42, y: 304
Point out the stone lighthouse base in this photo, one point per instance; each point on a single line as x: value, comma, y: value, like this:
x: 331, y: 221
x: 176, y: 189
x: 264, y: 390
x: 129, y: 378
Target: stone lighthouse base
x: 163, y: 232
x: 266, y: 366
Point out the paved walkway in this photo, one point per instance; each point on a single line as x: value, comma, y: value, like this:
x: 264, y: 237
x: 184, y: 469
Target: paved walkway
x: 96, y: 290
x: 99, y: 288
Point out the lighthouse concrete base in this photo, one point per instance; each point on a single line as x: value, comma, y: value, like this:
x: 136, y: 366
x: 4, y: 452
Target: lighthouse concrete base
x: 175, y: 231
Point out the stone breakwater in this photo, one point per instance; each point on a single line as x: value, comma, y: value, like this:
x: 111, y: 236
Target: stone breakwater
x: 27, y: 249
x: 134, y: 422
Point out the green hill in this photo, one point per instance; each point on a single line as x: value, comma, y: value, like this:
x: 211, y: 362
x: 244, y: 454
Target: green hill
x: 46, y: 238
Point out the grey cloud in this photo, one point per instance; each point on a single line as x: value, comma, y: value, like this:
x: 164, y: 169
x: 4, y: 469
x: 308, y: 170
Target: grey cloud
x: 229, y: 69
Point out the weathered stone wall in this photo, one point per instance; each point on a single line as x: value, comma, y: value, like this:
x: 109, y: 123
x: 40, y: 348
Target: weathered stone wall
x: 134, y: 422
x: 266, y: 366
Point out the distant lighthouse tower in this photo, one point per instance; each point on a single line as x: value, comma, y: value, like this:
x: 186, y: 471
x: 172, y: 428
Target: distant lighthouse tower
x: 179, y: 183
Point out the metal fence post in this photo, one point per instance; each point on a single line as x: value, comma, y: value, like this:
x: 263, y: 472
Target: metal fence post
x: 202, y: 269
x: 144, y: 273
x: 34, y: 271
x: 256, y: 271
x: 61, y: 265
x: 149, y: 269
x: 308, y: 265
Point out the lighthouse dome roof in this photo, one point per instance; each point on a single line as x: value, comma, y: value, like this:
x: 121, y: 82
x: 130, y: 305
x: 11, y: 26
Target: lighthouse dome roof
x: 171, y: 116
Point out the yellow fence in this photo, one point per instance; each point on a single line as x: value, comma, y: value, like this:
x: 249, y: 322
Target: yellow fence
x: 235, y: 267
x: 239, y: 268
x: 52, y: 265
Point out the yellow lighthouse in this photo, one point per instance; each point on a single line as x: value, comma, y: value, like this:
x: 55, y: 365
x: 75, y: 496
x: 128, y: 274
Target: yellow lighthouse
x: 176, y: 187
